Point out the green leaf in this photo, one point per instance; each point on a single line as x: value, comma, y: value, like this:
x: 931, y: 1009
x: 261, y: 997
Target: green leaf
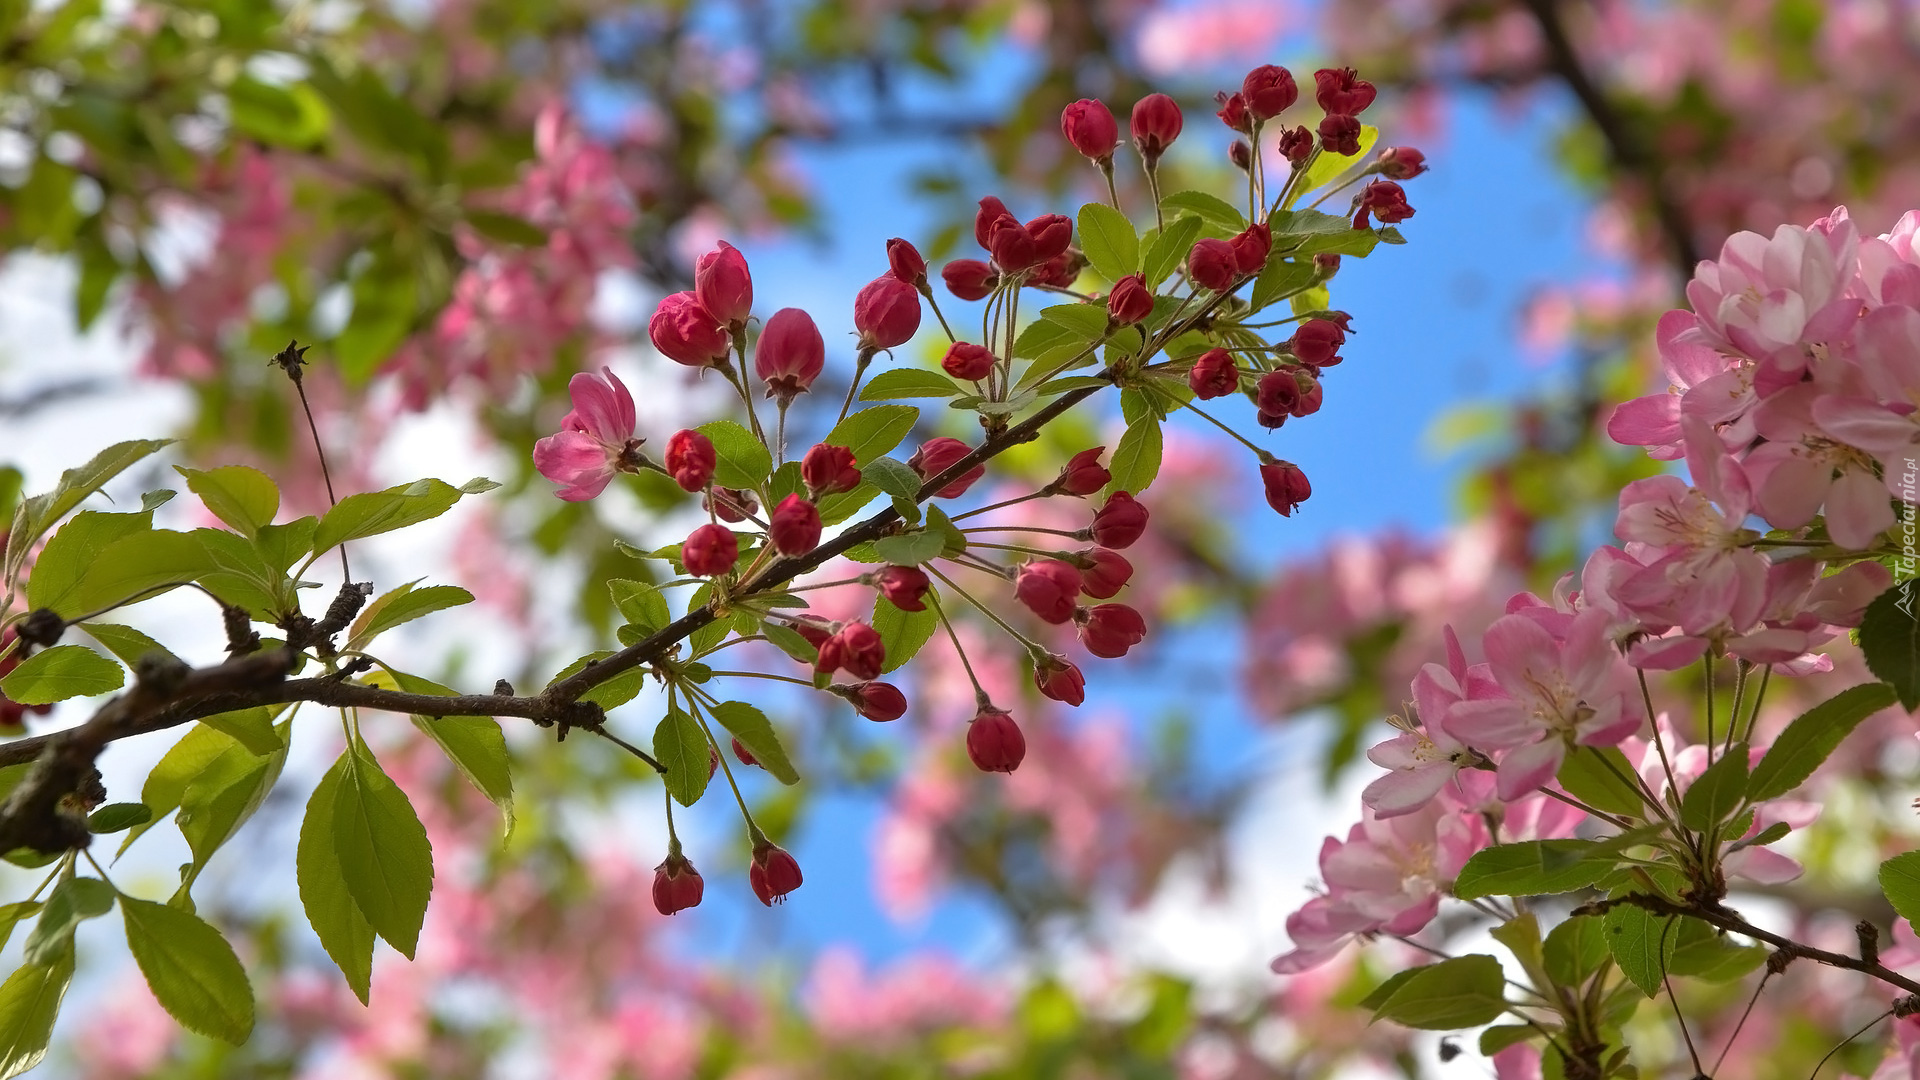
x: 1586, y: 776
x: 242, y: 497
x: 403, y: 605
x: 1136, y: 460
x: 1900, y: 880
x: 1500, y: 1036
x: 1812, y: 736
x: 292, y: 115
x: 1714, y: 795
x: 953, y: 541
x: 1220, y: 217
x: 790, y: 642
x: 1109, y: 241
x: 125, y: 642
x: 136, y: 567
x: 1890, y: 640
x: 1641, y: 943
x: 740, y: 460
x: 191, y: 970
x: 29, y: 1002
x: 1521, y: 936
x: 787, y: 480
x: 1280, y: 278
x: 184, y: 760
x: 116, y: 817
x: 681, y: 745
x: 59, y: 673
x: 1326, y: 165
x: 870, y: 433
x: 756, y: 733
x: 385, y: 858
x: 373, y: 512
x: 222, y: 797
x: 835, y: 509
x: 1169, y: 248
x: 911, y: 549
x: 908, y: 383
x: 1084, y: 323
x: 899, y: 481
x: 1464, y: 992
x: 73, y: 901
x: 11, y: 916
x: 640, y: 604
x: 902, y: 633
x: 1702, y: 952
x: 1576, y: 950
x: 251, y: 728
x: 64, y: 564
x: 1529, y: 868
x: 475, y: 745
x: 34, y: 516
x: 506, y: 228
x: 243, y: 572
x: 344, y: 933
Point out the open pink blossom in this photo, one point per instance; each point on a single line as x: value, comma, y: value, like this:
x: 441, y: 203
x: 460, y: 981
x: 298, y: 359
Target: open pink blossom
x: 1423, y: 758
x: 1885, y: 424
x: 593, y: 440
x: 1701, y: 382
x: 1890, y: 267
x: 1769, y: 298
x: 1801, y: 469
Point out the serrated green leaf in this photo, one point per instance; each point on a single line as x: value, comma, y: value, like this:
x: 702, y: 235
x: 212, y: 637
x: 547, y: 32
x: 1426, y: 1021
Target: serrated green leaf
x: 1500, y: 1036
x: 1281, y: 277
x: 251, y: 728
x: 899, y: 481
x: 1812, y: 736
x: 34, y: 516
x: 73, y: 901
x: 1219, y: 217
x: 74, y: 551
x: 1084, y: 323
x: 870, y: 433
x: 191, y: 970
x: 222, y: 797
x: 1530, y: 868
x: 1900, y: 880
x: 1109, y: 241
x: 903, y: 633
x: 29, y: 1002
x: 243, y: 497
x: 1713, y: 796
x: 1702, y: 952
x: 756, y: 733
x: 908, y: 383
x: 116, y: 817
x: 475, y: 744
x: 59, y: 673
x: 1641, y: 944
x: 789, y: 641
x: 835, y: 509
x: 1136, y: 460
x: 681, y: 745
x: 640, y: 604
x: 125, y: 642
x: 343, y: 931
x: 911, y: 549
x: 1576, y: 950
x: 740, y: 460
x: 1463, y: 992
x: 403, y: 605
x: 1169, y: 248
x: 385, y: 857
x: 1587, y: 777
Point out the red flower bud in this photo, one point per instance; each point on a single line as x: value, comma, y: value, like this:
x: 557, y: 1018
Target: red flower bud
x: 1061, y: 271
x: 1111, y: 629
x: 794, y: 528
x: 710, y: 550
x: 1326, y: 264
x: 1120, y: 522
x: 687, y: 333
x: 725, y: 288
x: 1296, y: 143
x: 905, y: 263
x: 965, y: 360
x: 1277, y: 393
x: 994, y: 741
x: 676, y: 885
x: 1286, y: 485
x: 1109, y: 574
x: 991, y: 212
x: 713, y: 762
x: 1082, y: 475
x: 1091, y: 129
x: 903, y: 586
x: 1402, y: 163
x: 774, y: 873
x: 1156, y: 123
x: 969, y: 279
x: 790, y: 353
x: 690, y: 459
x: 1130, y: 301
x: 1310, y: 394
x: 731, y: 504
x: 1233, y: 112
x: 1269, y: 420
x: 1211, y: 265
x: 1060, y: 679
x: 886, y: 312
x: 745, y: 755
x: 1050, y: 589
x: 856, y: 648
x: 936, y: 455
x: 1316, y: 341
x: 1241, y: 155
x: 1052, y: 235
x: 877, y: 701
x: 1340, y: 90
x: 1340, y: 134
x: 1012, y: 246
x: 829, y: 470
x: 1386, y: 199
x: 1251, y: 247
x: 1269, y: 91
x: 1214, y: 375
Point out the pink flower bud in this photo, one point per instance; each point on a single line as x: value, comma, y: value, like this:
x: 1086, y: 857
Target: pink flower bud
x: 690, y: 459
x: 1052, y: 235
x: 1120, y: 522
x: 1296, y: 143
x: 829, y: 470
x: 992, y: 211
x: 903, y: 586
x: 1286, y: 485
x: 1386, y: 199
x: 1060, y: 679
x: 745, y: 755
x: 1340, y: 134
x: 1061, y: 271
x: 1211, y: 265
x: 1241, y: 155
x: 1316, y: 341
x: 1012, y: 246
x: 1090, y: 128
x: 794, y: 528
x: 966, y: 360
x: 1214, y: 375
x: 877, y: 701
x: 1277, y: 393
x: 686, y: 332
x: 1082, y: 475
x: 809, y: 627
x: 1109, y: 574
x: 856, y: 648
x: 1130, y: 301
x: 1050, y: 589
x: 1402, y: 163
x: 905, y: 263
x: 710, y: 550
x: 790, y: 353
x: 994, y: 741
x: 1325, y: 265
x: 676, y: 885
x: 970, y: 279
x: 1156, y: 123
x: 774, y: 873
x: 936, y: 455
x: 1233, y: 112
x: 731, y: 504
x: 1111, y: 629
x: 1340, y: 90
x: 1269, y: 90
x: 723, y: 285
x: 1251, y: 248
x: 886, y: 312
